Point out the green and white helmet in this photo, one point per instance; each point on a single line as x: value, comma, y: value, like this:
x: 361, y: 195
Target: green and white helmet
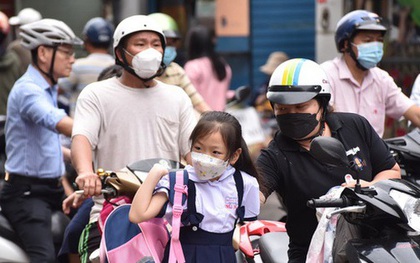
x: 297, y: 81
x: 168, y: 24
x: 48, y: 32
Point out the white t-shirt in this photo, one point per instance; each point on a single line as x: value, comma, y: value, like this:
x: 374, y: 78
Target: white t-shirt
x: 125, y: 124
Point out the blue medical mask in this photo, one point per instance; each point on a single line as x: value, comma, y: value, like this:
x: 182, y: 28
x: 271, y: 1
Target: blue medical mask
x: 169, y: 55
x: 369, y: 54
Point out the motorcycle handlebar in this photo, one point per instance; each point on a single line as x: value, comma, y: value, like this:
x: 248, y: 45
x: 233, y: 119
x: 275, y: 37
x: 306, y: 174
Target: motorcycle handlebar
x: 338, y: 202
x: 109, y: 190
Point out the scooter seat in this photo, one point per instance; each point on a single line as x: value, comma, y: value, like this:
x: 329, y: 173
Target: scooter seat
x: 273, y: 247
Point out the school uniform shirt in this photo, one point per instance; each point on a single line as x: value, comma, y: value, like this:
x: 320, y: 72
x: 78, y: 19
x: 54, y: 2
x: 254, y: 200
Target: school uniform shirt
x: 33, y: 145
x: 298, y: 177
x: 217, y: 200
x: 377, y: 97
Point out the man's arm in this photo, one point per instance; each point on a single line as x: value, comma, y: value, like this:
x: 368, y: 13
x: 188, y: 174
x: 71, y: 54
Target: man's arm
x: 413, y: 115
x: 65, y: 126
x: 81, y: 155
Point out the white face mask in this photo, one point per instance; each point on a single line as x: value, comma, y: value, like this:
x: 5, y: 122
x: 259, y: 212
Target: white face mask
x: 208, y: 167
x: 146, y: 63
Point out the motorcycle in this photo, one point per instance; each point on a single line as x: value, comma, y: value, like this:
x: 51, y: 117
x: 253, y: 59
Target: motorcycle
x: 257, y: 241
x: 406, y: 151
x: 11, y: 249
x: 262, y: 241
x: 387, y: 213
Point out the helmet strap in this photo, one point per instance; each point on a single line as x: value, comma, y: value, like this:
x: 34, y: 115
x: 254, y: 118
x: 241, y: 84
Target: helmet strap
x: 50, y: 73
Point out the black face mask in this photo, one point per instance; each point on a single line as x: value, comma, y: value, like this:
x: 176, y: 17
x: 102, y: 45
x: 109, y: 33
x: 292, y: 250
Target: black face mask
x: 297, y: 125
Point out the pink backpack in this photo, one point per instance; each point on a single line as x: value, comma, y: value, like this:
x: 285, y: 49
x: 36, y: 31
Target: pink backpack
x: 124, y: 242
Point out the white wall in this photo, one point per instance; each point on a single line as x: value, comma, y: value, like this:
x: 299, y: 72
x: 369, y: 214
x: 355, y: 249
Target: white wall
x: 328, y: 12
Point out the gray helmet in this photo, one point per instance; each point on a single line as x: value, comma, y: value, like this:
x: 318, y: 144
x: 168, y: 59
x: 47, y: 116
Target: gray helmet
x: 48, y: 32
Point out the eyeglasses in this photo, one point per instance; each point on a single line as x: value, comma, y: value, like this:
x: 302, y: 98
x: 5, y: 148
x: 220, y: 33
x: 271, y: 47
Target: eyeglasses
x: 67, y: 52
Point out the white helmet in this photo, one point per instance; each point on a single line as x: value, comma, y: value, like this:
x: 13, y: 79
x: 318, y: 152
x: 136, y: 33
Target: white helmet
x: 25, y: 16
x: 48, y: 32
x: 137, y: 23
x: 296, y: 81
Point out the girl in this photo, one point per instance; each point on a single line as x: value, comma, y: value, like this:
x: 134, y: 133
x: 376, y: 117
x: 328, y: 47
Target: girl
x: 219, y: 156
x: 208, y: 71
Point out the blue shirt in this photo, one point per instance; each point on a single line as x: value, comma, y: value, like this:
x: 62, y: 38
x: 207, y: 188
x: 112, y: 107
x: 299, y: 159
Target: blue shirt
x: 33, y: 145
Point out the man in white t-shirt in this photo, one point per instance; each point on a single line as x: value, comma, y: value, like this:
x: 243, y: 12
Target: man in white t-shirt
x: 122, y: 120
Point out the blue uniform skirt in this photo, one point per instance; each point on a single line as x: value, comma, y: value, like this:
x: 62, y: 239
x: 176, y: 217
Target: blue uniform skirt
x: 200, y: 246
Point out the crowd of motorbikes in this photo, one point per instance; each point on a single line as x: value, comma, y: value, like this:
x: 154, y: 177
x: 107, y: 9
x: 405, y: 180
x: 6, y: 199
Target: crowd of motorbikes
x: 388, y: 212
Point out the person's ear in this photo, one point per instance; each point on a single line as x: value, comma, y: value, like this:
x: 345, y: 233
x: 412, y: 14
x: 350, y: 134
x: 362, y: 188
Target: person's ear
x: 118, y: 54
x: 42, y: 53
x: 235, y: 156
x: 346, y: 44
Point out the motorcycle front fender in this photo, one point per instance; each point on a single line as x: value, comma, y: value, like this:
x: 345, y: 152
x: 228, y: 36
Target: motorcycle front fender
x: 383, y: 250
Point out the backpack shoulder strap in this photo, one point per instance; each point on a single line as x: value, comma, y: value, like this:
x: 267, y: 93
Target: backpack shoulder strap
x: 173, y: 180
x: 239, y: 182
x: 178, y: 184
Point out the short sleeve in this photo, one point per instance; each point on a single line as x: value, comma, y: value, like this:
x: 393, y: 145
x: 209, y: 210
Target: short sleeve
x: 251, y: 199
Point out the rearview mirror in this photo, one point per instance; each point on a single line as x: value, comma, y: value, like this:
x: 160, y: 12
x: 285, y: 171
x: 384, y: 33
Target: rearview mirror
x: 330, y: 151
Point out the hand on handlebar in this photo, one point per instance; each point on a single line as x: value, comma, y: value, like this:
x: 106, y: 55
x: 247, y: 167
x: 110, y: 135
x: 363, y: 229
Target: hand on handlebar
x: 90, y: 183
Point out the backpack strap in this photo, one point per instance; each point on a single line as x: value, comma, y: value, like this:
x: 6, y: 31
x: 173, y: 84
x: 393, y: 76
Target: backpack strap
x: 239, y: 182
x: 172, y: 181
x: 178, y: 182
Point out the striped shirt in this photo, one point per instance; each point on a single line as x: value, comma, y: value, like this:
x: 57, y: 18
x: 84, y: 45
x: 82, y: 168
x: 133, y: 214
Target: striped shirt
x: 175, y: 75
x: 84, y: 71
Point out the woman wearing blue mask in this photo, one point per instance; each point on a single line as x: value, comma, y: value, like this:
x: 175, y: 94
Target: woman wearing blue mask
x: 357, y: 84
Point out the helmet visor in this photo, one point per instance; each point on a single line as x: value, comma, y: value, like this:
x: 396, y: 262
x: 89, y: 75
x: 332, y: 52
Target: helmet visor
x: 289, y: 95
x: 371, y: 24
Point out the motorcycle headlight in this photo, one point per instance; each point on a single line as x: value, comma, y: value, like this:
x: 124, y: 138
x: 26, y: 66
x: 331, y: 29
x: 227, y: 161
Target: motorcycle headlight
x: 410, y: 206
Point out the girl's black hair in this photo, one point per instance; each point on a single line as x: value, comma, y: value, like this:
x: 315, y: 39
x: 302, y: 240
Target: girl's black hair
x: 200, y: 42
x: 231, y: 132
